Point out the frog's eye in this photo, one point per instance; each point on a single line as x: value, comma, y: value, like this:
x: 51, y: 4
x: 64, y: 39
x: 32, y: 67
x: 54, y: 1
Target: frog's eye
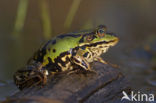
x: 89, y: 37
x: 101, y: 32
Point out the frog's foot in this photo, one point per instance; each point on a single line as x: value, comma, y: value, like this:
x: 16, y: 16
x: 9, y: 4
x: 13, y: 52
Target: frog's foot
x: 99, y: 59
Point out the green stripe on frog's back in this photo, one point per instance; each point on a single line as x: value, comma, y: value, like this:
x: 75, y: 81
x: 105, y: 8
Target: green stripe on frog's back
x: 60, y: 44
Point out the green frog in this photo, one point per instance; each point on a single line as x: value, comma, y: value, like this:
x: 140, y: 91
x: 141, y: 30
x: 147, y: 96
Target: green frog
x: 66, y: 52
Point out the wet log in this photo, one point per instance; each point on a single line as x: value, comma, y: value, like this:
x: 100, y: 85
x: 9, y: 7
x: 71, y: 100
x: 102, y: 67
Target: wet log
x: 104, y: 86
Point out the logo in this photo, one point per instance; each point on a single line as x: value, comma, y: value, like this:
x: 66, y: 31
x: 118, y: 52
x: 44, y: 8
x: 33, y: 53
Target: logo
x: 137, y: 96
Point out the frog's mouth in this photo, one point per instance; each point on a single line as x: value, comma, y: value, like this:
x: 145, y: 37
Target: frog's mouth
x: 28, y: 78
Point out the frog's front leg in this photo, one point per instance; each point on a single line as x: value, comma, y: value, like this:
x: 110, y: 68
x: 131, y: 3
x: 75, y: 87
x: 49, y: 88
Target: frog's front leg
x: 81, y: 62
x: 81, y: 65
x: 99, y: 59
x: 78, y: 60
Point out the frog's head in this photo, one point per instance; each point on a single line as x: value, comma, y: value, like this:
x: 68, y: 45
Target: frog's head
x: 30, y: 76
x: 99, y: 36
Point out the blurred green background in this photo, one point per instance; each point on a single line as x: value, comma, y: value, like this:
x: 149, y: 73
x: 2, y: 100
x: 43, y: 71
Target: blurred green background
x: 26, y: 24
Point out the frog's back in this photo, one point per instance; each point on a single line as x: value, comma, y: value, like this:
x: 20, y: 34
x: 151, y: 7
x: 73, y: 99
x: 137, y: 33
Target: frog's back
x: 56, y: 46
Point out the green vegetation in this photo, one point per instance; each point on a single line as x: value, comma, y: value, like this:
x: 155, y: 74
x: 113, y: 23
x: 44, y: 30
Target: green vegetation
x: 71, y: 13
x: 20, y: 18
x: 45, y: 17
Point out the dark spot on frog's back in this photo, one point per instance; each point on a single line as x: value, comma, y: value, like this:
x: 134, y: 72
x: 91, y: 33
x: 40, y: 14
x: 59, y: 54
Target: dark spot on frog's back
x: 54, y: 50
